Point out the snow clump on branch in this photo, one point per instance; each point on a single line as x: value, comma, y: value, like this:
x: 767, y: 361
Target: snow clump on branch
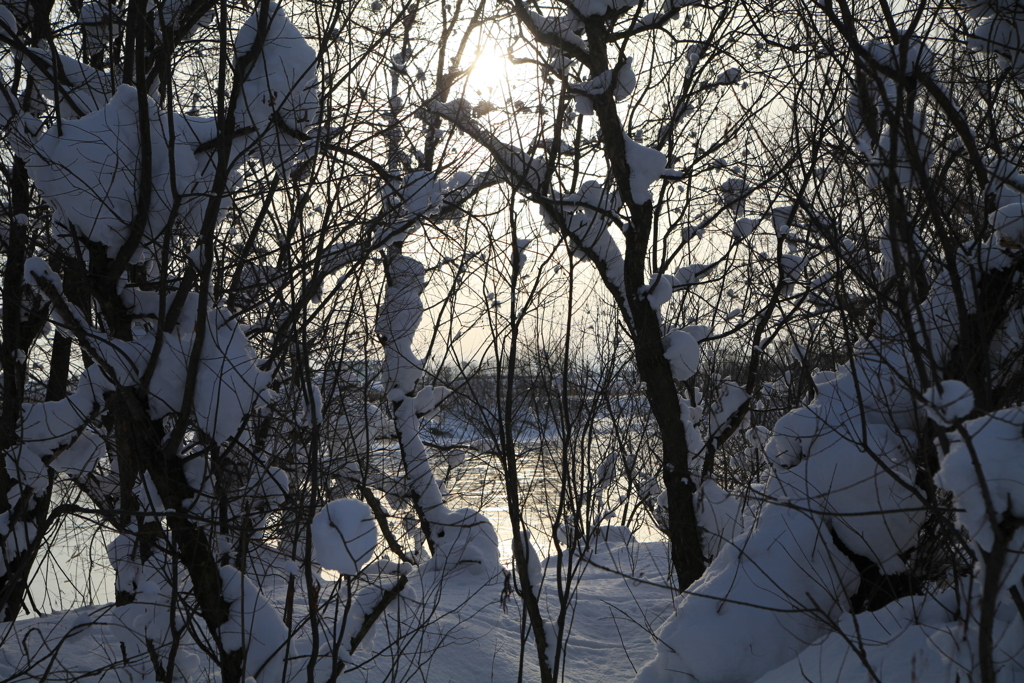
x: 88, y: 170
x: 279, y: 98
x: 344, y: 535
x: 624, y: 80
x: 646, y: 165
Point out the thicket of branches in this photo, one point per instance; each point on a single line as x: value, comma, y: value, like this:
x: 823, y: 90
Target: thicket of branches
x: 291, y: 288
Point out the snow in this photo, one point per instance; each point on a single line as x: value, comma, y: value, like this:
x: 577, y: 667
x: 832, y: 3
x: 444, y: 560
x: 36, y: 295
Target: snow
x: 563, y: 26
x: 254, y: 623
x: 9, y: 24
x: 79, y: 458
x: 721, y: 516
x: 79, y: 89
x: 982, y: 468
x: 624, y: 81
x: 521, y: 245
x: 267, y: 488
x: 457, y: 538
x: 583, y: 92
x: 9, y: 112
x: 280, y: 97
x: 949, y: 402
x: 743, y: 227
x: 734, y: 195
x: 47, y: 426
x: 1008, y: 221
x: 228, y: 382
x: 88, y: 170
x: 659, y: 291
x: 831, y: 457
x: 782, y: 217
x: 892, y: 644
x: 867, y: 493
x: 645, y: 167
x: 694, y: 53
x: 918, y: 638
x: 465, y: 634
x: 172, y: 12
x: 97, y: 21
x: 587, y: 215
x: 729, y: 76
x: 998, y: 35
x: 692, y: 274
x: 397, y: 321
x: 421, y: 195
x: 524, y: 172
x: 909, y: 55
x: 464, y: 539
x: 731, y: 398
x: 765, y: 596
x: 344, y: 534
x: 1005, y: 343
x: 791, y: 265
x: 905, y: 152
x: 147, y: 303
x: 428, y: 400
x: 683, y: 354
x: 839, y: 473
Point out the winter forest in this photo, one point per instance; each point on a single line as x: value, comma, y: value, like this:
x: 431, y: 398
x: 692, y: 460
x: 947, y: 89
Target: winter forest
x: 512, y: 340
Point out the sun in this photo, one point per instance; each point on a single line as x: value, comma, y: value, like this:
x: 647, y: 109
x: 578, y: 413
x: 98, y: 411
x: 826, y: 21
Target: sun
x: 488, y: 70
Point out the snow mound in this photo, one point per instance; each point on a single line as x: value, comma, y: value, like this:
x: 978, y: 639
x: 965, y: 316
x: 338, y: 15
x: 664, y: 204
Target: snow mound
x: 894, y: 642
x: 254, y: 623
x: 344, y: 535
x: 992, y: 448
x: 764, y: 597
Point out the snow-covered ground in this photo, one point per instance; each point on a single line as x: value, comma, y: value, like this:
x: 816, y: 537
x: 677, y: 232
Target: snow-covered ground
x: 457, y: 626
x: 465, y: 626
